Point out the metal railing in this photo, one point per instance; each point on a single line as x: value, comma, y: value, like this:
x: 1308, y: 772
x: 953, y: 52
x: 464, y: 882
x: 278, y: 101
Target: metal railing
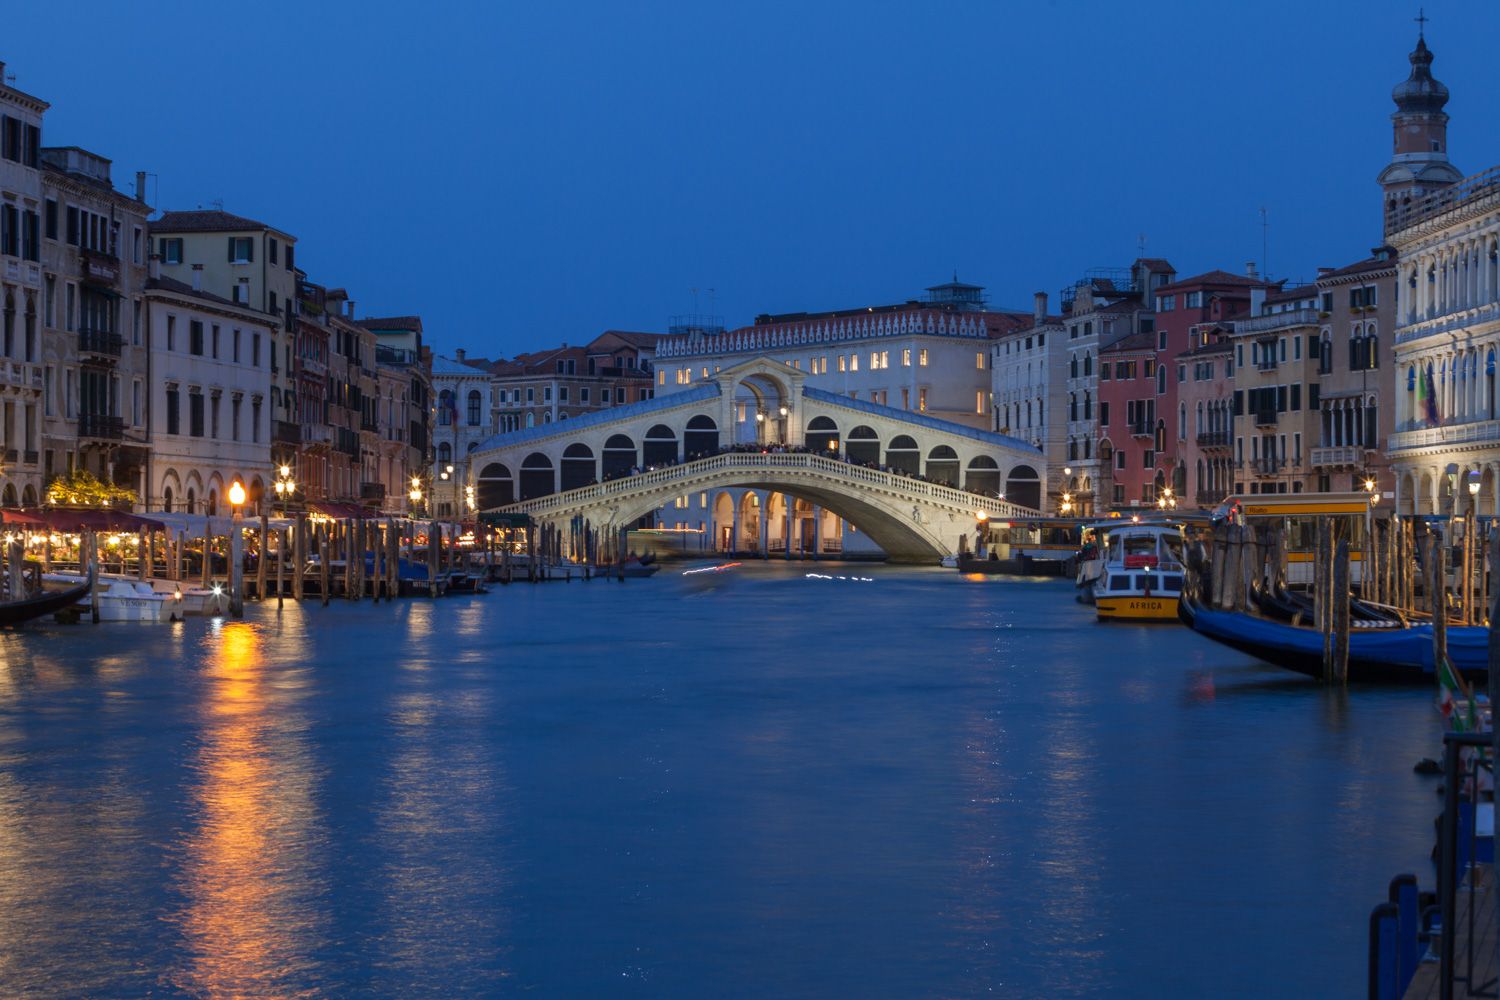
x: 904, y: 486
x: 1213, y: 439
x: 1336, y: 455
x: 1277, y: 321
x: 100, y: 342
x: 1456, y: 862
x: 97, y: 425
x: 1471, y: 188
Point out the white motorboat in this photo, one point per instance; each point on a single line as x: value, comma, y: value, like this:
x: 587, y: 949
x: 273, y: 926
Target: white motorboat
x: 124, y: 599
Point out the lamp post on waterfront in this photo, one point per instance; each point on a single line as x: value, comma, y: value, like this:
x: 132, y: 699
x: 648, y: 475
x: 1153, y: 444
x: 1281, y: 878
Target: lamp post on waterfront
x: 236, y: 539
x: 415, y: 494
x: 284, y: 486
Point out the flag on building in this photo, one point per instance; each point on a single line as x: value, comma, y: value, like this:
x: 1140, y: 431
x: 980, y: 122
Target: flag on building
x: 1427, y: 398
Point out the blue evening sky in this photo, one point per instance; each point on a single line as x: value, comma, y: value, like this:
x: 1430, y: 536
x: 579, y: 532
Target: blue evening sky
x: 523, y: 174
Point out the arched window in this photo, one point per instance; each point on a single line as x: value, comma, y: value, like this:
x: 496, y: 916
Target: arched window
x: 1182, y: 421
x: 1088, y: 405
x: 1073, y: 407
x: 444, y: 453
x: 445, y: 407
x: 473, y: 407
x: 1088, y: 364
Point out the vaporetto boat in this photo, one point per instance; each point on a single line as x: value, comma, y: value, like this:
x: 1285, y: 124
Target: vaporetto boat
x: 1140, y: 573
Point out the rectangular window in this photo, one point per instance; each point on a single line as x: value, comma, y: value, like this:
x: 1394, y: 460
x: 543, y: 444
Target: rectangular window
x: 255, y: 350
x: 922, y: 361
x: 195, y: 414
x: 843, y: 363
x: 241, y: 250
x: 234, y: 418
x: 1120, y: 461
x: 255, y: 421
x: 271, y: 250
x: 1194, y: 300
x: 1161, y: 340
x: 905, y: 399
x: 922, y: 400
x: 195, y: 337
x: 49, y: 218
x: 979, y: 400
x: 1148, y: 458
x: 979, y: 361
x: 854, y: 362
x: 171, y: 251
x: 583, y: 394
x: 213, y: 417
x: 530, y: 394
x: 620, y: 394
x: 174, y: 415
x: 171, y: 333
x: 562, y: 395
x: 546, y: 394
x: 906, y: 357
x: 1103, y: 413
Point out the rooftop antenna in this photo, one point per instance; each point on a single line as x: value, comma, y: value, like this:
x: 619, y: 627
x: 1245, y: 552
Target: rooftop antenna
x: 1265, y: 243
x: 218, y: 204
x: 713, y: 301
x: 1421, y: 20
x: 1140, y: 244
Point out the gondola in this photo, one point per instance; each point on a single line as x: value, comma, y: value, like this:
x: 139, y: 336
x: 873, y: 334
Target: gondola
x: 1401, y: 652
x: 46, y: 603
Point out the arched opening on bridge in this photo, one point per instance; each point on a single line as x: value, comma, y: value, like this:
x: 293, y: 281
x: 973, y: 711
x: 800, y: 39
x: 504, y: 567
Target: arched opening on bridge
x: 496, y: 487
x: 942, y: 465
x: 577, y: 466
x: 1022, y: 486
x: 619, y: 456
x: 759, y: 400
x: 823, y: 437
x: 776, y: 526
x: 901, y: 455
x: 723, y: 522
x: 983, y: 476
x: 660, y: 446
x: 749, y: 538
x: 862, y: 446
x: 701, y: 438
x: 537, y: 478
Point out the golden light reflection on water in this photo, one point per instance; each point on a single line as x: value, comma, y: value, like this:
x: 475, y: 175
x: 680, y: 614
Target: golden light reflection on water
x: 249, y: 918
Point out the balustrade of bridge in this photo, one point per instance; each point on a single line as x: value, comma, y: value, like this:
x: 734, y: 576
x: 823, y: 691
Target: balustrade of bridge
x: 653, y: 481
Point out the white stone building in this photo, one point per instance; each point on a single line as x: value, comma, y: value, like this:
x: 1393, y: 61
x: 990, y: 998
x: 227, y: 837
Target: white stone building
x: 465, y: 419
x: 210, y: 414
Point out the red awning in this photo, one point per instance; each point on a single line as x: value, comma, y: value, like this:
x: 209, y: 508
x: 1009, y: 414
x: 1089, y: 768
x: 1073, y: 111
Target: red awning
x: 341, y: 511
x: 97, y: 520
x: 10, y: 515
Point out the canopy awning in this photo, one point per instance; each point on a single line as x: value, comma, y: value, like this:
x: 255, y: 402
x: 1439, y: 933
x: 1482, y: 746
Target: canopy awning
x: 341, y: 511
x: 92, y: 520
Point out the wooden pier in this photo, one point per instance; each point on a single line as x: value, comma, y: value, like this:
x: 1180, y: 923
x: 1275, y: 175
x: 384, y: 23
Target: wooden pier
x: 1480, y: 941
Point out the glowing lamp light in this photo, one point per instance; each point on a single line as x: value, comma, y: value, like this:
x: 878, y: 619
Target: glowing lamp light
x: 416, y: 482
x: 236, y: 494
x: 783, y: 411
x: 760, y: 417
x: 285, y: 472
x: 833, y: 444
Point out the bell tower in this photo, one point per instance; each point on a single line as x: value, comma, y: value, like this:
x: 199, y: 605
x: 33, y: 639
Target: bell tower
x: 1419, y: 161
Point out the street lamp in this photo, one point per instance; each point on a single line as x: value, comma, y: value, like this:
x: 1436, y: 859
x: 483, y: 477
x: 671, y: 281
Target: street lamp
x: 470, y: 501
x: 236, y: 496
x: 284, y: 486
x: 1067, y: 504
x: 415, y: 493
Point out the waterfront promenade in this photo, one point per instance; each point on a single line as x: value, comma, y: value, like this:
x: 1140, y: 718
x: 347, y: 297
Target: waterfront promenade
x: 750, y: 783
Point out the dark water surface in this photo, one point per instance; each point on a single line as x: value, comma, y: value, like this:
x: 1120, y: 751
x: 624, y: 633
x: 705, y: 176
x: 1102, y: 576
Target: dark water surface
x: 753, y: 784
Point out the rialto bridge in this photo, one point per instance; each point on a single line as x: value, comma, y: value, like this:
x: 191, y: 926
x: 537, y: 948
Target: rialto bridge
x: 912, y: 483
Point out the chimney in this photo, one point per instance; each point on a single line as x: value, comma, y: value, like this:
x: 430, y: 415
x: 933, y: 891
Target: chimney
x: 1039, y: 309
x: 153, y: 267
x: 458, y: 355
x: 197, y: 277
x: 140, y: 186
x: 1250, y: 269
x: 350, y: 304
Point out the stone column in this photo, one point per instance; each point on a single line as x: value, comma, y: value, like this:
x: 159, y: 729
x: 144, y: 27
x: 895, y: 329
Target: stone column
x: 817, y: 532
x: 787, y: 503
x: 734, y: 532
x: 765, y: 525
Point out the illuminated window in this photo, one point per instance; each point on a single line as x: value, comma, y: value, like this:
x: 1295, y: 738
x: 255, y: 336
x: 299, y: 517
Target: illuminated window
x: 854, y: 362
x: 705, y: 371
x: 742, y: 413
x: 979, y: 399
x: 843, y: 363
x: 702, y: 499
x: 906, y: 357
x: 661, y: 377
x: 922, y: 398
x: 979, y: 361
x: 922, y: 361
x: 885, y: 359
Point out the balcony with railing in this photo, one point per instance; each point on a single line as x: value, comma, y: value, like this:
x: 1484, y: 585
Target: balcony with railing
x: 30, y: 457
x: 1265, y: 466
x: 317, y: 434
x: 1265, y: 418
x: 1213, y: 439
x: 1472, y: 189
x: 1142, y: 428
x: 100, y: 426
x: 1273, y: 322
x: 285, y: 432
x: 1338, y: 455
x: 100, y: 343
x: 372, y: 491
x: 99, y: 267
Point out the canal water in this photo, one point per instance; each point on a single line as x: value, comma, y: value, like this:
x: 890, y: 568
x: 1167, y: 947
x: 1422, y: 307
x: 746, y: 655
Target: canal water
x: 872, y: 782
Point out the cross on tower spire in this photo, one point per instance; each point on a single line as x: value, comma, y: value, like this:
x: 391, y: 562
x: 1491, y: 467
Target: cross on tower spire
x: 1421, y: 20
